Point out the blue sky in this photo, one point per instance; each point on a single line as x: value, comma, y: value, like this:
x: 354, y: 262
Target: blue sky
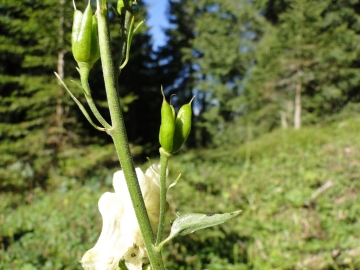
x: 157, y: 20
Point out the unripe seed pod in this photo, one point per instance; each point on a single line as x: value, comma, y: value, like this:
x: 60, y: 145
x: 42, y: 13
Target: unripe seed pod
x: 84, y: 37
x: 173, y: 110
x: 78, y: 15
x: 167, y: 126
x: 172, y: 107
x: 95, y: 47
x: 182, y: 126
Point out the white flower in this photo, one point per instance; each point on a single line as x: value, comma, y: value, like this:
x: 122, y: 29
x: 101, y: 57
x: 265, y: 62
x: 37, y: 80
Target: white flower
x: 120, y: 237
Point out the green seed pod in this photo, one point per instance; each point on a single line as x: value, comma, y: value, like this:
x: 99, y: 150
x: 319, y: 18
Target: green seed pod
x: 167, y: 126
x: 95, y: 47
x: 172, y: 110
x: 172, y: 107
x: 78, y: 15
x: 182, y: 126
x: 84, y: 38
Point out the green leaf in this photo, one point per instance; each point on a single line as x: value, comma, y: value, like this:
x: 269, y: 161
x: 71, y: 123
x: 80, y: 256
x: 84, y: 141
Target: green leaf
x: 81, y: 107
x: 190, y: 223
x: 175, y: 182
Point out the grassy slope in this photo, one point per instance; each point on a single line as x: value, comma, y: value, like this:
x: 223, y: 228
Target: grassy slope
x: 290, y: 219
x: 289, y: 216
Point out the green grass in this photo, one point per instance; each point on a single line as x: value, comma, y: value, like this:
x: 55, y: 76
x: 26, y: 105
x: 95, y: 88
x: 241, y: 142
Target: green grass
x: 299, y: 192
x: 288, y: 217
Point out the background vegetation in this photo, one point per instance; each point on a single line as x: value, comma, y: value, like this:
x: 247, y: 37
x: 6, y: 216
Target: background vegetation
x: 275, y: 133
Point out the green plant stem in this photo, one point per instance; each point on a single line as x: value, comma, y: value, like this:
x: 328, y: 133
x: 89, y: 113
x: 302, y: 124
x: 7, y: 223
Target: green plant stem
x: 164, y: 160
x: 118, y: 134
x: 84, y: 76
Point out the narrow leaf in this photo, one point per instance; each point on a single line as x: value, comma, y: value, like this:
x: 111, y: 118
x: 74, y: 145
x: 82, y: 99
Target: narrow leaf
x: 81, y: 107
x: 78, y: 85
x: 175, y: 182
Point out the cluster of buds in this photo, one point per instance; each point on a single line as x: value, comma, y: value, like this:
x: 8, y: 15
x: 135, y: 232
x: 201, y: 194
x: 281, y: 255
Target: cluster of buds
x: 174, y: 129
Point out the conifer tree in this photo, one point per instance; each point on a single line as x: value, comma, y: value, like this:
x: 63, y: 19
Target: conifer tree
x: 303, y: 66
x: 175, y: 67
x: 222, y: 52
x: 44, y: 136
x: 31, y: 132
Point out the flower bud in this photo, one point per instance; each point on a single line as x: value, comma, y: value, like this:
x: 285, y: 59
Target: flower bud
x: 84, y: 38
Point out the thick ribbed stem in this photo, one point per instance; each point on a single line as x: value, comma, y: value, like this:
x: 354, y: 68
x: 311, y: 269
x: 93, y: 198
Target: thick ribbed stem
x: 118, y: 134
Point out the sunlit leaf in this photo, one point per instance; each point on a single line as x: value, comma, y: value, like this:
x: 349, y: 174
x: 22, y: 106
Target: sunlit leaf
x: 190, y: 223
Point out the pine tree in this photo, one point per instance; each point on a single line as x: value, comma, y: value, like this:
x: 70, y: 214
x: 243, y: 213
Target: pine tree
x: 222, y: 51
x: 44, y: 136
x: 30, y: 129
x: 177, y: 71
x: 307, y: 57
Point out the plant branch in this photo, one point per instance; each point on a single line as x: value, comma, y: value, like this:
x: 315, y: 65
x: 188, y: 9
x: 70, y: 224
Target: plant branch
x: 81, y: 107
x: 84, y: 76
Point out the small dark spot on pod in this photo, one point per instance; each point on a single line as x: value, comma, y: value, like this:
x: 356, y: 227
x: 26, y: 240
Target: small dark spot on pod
x: 209, y: 215
x: 133, y: 255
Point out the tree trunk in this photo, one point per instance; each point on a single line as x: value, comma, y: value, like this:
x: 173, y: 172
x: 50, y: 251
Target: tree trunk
x: 297, y: 112
x: 59, y: 105
x: 60, y: 71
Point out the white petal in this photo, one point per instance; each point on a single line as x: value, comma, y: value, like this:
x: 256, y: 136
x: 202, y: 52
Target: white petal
x: 120, y: 237
x: 153, y: 173
x: 109, y: 249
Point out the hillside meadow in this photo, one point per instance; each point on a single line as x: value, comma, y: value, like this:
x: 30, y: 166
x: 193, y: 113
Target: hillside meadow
x: 299, y: 192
